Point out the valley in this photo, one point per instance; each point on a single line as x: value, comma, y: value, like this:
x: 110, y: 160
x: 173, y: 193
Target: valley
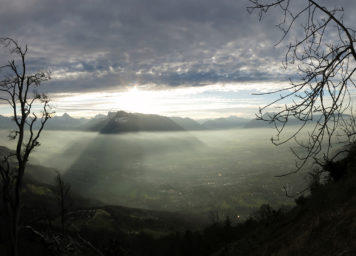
x: 196, y: 172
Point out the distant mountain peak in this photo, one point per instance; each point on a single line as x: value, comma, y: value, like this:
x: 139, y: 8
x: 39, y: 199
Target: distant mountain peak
x: 122, y: 121
x: 268, y: 115
x: 66, y: 115
x: 230, y: 122
x: 100, y: 116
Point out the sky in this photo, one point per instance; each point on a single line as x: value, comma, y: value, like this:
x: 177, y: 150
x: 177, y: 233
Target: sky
x: 192, y: 58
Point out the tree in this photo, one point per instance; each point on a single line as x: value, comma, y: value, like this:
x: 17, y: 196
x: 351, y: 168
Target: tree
x: 323, y: 54
x: 63, y: 199
x: 18, y: 90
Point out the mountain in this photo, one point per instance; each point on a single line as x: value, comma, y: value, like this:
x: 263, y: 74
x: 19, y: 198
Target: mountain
x: 225, y: 123
x: 6, y: 122
x: 65, y: 122
x: 96, y: 123
x: 258, y: 124
x: 119, y: 122
x: 188, y: 123
x: 116, y: 122
x: 292, y: 121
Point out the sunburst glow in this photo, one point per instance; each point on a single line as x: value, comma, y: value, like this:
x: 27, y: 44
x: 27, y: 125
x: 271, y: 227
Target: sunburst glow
x: 136, y: 100
x: 199, y: 102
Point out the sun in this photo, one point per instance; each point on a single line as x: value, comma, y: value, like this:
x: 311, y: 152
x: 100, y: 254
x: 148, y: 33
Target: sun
x: 136, y: 100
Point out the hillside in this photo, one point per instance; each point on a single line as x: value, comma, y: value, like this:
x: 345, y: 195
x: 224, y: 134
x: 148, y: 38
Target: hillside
x: 188, y: 123
x: 225, y: 123
x: 322, y: 223
x: 91, y: 228
x: 119, y: 122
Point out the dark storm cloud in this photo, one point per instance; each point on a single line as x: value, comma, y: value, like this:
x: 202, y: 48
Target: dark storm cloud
x: 98, y: 44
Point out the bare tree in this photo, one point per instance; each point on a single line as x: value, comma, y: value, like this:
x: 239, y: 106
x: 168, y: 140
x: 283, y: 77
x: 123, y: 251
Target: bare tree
x: 322, y: 51
x: 63, y: 190
x: 18, y: 90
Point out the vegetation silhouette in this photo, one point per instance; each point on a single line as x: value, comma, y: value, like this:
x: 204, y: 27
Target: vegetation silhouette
x: 322, y: 53
x: 16, y: 88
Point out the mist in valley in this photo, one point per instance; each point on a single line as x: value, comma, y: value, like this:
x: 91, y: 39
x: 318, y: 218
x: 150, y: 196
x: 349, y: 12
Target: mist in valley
x: 198, y: 172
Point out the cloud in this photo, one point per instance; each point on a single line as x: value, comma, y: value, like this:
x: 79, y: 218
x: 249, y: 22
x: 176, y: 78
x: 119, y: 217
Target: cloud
x: 96, y: 45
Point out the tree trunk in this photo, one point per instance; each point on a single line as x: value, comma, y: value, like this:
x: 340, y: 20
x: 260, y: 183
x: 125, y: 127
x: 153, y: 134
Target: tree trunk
x: 14, y: 232
x: 15, y: 213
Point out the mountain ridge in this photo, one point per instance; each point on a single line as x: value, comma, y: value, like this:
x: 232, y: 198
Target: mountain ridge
x: 121, y: 121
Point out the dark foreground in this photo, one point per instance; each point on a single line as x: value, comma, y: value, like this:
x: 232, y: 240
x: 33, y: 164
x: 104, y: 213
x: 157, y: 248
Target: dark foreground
x: 323, y: 223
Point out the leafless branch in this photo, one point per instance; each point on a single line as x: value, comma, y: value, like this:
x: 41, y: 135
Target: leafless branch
x: 15, y: 90
x: 325, y: 62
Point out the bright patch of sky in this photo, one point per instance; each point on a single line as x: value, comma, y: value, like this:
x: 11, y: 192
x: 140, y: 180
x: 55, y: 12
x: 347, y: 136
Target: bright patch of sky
x: 209, y: 101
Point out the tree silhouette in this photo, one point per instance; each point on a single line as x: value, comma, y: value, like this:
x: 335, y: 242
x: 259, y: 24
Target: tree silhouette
x: 17, y: 89
x: 322, y: 50
x: 63, y: 199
